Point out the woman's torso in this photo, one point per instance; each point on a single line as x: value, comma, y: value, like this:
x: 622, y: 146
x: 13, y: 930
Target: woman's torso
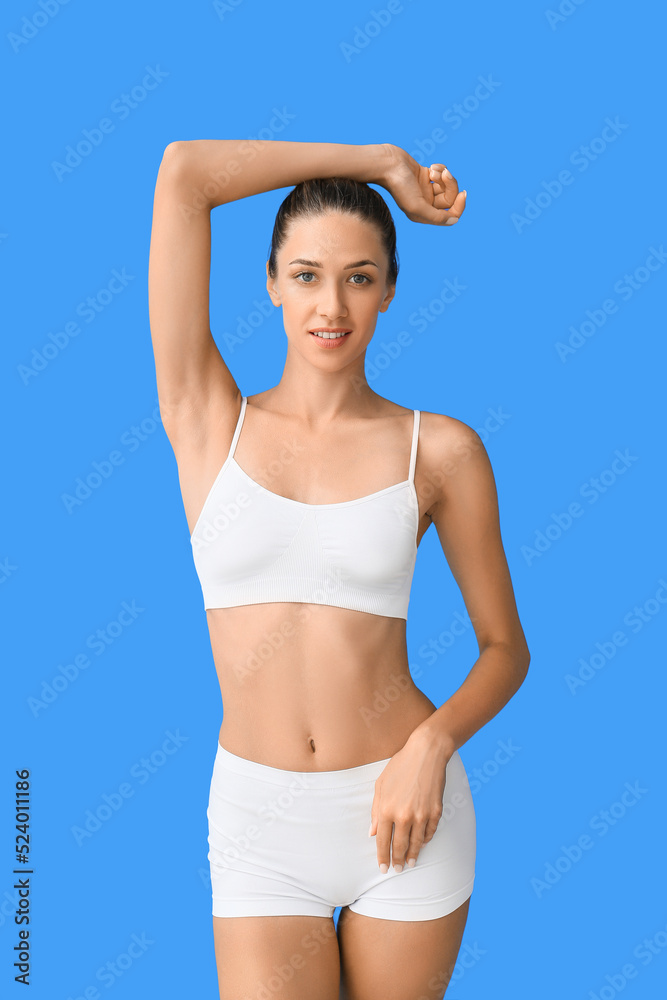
x: 310, y: 686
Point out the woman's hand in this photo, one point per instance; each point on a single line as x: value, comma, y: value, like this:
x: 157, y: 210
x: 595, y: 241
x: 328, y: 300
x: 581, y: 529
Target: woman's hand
x: 408, y: 795
x: 425, y: 194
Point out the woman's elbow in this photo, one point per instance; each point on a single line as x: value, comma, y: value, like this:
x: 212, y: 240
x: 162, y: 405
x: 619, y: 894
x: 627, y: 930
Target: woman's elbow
x: 175, y: 160
x: 523, y: 659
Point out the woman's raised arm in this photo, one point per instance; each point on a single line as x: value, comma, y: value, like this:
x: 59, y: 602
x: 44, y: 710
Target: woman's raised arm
x: 189, y: 369
x: 196, y: 389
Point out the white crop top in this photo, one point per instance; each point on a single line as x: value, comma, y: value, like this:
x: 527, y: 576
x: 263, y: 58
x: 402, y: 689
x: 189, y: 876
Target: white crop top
x: 252, y: 546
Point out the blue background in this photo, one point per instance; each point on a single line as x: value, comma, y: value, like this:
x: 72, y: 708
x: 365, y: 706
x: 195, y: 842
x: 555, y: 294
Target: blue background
x: 528, y: 283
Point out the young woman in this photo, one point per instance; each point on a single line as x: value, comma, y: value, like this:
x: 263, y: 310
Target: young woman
x: 306, y: 504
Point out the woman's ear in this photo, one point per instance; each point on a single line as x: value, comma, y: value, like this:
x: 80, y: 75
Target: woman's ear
x: 384, y: 305
x: 271, y: 288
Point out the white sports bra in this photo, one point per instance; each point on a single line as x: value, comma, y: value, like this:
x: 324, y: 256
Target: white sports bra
x: 252, y: 546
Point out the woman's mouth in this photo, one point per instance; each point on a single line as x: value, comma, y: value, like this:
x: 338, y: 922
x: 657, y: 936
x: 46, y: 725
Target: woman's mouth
x: 330, y: 338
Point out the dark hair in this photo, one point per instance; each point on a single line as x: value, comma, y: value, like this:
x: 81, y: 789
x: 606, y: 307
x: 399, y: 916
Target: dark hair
x: 322, y: 194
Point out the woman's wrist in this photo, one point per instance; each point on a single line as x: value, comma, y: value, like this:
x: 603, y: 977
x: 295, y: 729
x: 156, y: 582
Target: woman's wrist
x: 381, y: 159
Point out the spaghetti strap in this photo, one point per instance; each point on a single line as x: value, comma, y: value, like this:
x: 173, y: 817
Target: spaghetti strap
x: 413, y: 451
x: 237, y: 431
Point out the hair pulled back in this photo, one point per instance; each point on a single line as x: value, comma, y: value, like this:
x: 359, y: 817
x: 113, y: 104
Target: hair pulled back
x: 342, y: 194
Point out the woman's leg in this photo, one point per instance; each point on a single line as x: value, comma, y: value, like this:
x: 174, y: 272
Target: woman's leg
x: 277, y: 958
x: 395, y: 959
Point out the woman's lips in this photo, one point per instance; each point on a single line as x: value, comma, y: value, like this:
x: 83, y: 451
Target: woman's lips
x: 330, y: 342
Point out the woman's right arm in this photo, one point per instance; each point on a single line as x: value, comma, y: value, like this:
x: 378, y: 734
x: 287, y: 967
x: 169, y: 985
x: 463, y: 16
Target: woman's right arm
x: 191, y: 375
x: 195, y: 176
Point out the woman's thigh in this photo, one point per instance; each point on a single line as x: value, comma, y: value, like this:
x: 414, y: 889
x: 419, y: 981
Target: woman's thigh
x: 285, y: 957
x: 395, y: 959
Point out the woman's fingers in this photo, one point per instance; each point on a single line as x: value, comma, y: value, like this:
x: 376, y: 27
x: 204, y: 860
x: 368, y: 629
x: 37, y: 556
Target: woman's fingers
x: 408, y: 840
x: 399, y: 848
x: 457, y: 208
x: 443, y: 182
x: 406, y: 848
x: 446, y: 194
x: 382, y: 843
x: 445, y: 186
x: 427, y: 194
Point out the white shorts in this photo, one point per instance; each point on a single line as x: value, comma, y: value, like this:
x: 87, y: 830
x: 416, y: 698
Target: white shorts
x: 296, y: 842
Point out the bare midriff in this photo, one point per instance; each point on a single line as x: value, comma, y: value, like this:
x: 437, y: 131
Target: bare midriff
x: 309, y: 687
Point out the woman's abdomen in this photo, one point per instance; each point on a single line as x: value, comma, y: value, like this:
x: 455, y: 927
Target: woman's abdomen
x: 313, y: 687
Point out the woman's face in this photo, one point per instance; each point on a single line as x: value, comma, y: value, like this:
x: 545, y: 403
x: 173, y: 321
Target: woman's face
x: 332, y: 273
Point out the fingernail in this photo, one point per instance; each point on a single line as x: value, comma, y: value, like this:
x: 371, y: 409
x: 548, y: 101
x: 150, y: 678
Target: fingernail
x: 384, y: 868
x: 398, y: 868
x: 369, y: 829
x: 451, y: 222
x: 465, y: 193
x: 411, y: 863
x: 446, y: 173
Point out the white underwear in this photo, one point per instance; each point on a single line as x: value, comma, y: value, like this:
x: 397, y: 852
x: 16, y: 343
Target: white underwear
x: 296, y: 842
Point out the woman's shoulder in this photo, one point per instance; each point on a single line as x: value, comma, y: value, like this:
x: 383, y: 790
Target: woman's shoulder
x: 444, y: 438
x: 435, y: 424
x: 440, y: 429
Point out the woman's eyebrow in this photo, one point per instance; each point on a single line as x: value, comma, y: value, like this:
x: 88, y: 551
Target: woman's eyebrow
x: 315, y: 263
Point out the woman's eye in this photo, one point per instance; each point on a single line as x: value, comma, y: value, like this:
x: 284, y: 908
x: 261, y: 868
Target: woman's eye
x: 303, y: 274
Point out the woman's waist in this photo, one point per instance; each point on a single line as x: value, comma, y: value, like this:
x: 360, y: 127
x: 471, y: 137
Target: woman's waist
x: 315, y: 680
x: 313, y: 749
x: 333, y: 727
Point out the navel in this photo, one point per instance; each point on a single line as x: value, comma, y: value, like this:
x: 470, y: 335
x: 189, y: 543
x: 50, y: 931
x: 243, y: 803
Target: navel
x: 312, y: 745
